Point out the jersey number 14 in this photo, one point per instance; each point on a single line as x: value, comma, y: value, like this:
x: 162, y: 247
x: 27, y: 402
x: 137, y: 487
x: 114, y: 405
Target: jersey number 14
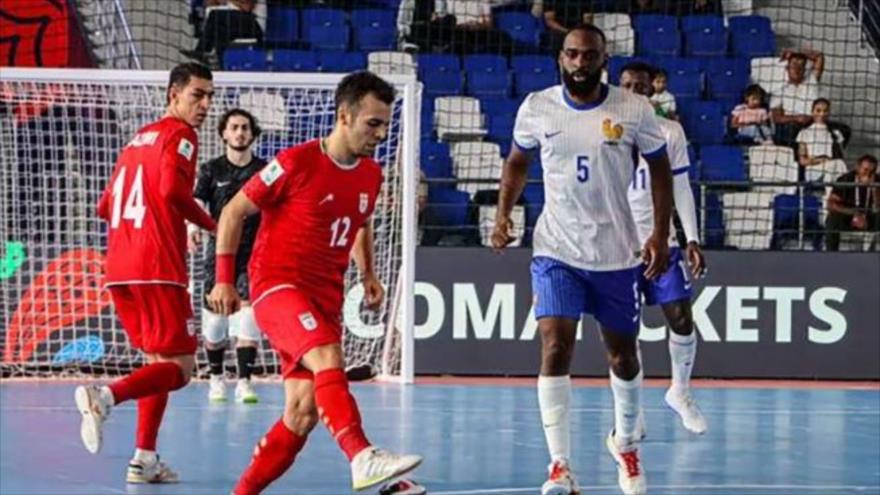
x: 134, y: 205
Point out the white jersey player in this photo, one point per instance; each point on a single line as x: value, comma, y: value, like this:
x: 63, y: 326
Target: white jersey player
x: 672, y: 290
x: 585, y: 243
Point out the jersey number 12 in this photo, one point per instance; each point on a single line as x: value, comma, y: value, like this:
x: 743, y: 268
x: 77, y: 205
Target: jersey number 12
x: 339, y: 236
x: 134, y: 205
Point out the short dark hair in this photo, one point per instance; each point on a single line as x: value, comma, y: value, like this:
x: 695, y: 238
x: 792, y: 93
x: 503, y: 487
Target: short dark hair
x: 868, y: 157
x: 659, y: 72
x: 639, y: 66
x: 182, y: 73
x: 588, y: 28
x: 821, y: 100
x: 754, y: 90
x: 255, y: 128
x: 355, y: 86
x: 798, y: 55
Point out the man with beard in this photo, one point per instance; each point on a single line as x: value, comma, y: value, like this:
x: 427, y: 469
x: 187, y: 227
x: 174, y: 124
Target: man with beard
x: 219, y: 180
x: 585, y: 243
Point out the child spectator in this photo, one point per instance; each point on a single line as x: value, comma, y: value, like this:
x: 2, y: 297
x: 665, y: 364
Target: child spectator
x: 663, y: 101
x: 750, y: 119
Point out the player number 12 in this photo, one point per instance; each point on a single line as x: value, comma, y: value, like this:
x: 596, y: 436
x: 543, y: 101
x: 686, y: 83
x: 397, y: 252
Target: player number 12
x: 339, y: 236
x: 583, y: 168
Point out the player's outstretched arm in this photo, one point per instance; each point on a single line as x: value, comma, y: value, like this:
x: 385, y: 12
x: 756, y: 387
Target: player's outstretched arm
x: 224, y: 298
x: 364, y: 256
x: 656, y: 250
x: 513, y: 181
x: 687, y: 212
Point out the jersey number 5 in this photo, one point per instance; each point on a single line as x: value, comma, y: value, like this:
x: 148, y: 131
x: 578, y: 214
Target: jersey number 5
x: 583, y: 168
x: 134, y: 205
x: 339, y: 236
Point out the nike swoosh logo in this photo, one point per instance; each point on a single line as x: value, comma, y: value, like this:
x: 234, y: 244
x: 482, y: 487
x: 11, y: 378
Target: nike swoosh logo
x: 549, y: 135
x: 327, y: 198
x: 222, y: 184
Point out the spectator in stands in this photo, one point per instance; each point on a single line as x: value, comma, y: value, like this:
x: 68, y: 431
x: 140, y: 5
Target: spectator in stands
x: 822, y: 141
x: 854, y: 202
x: 644, y: 7
x: 562, y: 15
x: 225, y: 25
x: 474, y: 31
x: 750, y: 119
x: 790, y: 104
x: 663, y: 100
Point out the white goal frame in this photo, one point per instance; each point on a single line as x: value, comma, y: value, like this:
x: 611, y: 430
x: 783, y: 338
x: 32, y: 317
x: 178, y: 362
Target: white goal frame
x: 406, y: 85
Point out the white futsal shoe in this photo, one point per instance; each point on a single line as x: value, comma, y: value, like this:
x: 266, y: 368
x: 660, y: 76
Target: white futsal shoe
x: 372, y: 467
x: 95, y: 408
x: 140, y: 471
x: 244, y: 393
x: 630, y: 476
x: 217, y: 389
x: 560, y: 480
x: 403, y: 487
x: 684, y: 404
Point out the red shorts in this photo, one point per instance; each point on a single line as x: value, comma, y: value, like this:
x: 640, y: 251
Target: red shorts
x: 154, y: 317
x: 294, y: 326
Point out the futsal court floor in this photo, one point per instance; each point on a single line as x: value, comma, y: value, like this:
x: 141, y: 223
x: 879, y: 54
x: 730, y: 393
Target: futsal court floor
x: 477, y: 436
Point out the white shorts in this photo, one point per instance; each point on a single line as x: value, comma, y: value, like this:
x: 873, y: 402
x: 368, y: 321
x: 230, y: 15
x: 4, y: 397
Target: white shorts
x: 240, y: 324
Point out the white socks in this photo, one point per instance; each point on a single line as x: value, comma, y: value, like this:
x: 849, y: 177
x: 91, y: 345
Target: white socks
x: 682, y: 351
x: 148, y: 457
x: 627, y: 403
x: 554, y: 398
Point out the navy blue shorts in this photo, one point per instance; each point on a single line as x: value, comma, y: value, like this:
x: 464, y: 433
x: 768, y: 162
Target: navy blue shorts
x: 674, y: 285
x: 612, y: 297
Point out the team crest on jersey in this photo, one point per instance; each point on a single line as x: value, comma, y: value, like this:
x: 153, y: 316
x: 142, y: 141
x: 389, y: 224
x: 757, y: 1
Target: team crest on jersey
x: 186, y: 148
x: 612, y: 132
x: 364, y: 203
x: 308, y: 321
x: 271, y: 172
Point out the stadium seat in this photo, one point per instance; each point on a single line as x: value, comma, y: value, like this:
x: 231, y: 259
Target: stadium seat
x: 694, y: 169
x: 658, y: 42
x: 438, y: 63
x: 442, y: 83
x: 249, y: 59
x: 787, y: 221
x: 457, y: 117
x: 499, y: 106
x: 282, y: 25
x: 484, y: 63
x: 374, y: 29
x: 325, y: 29
x: 500, y: 127
x: 618, y: 31
x: 685, y: 85
x: 749, y: 23
x: 706, y: 42
x: 727, y: 78
x: 751, y: 36
x: 677, y: 65
x: 447, y: 207
x: 391, y: 63
x: 713, y: 232
x: 476, y: 160
x: 722, y: 163
x: 333, y: 61
x: 536, y: 64
x: 487, y: 224
x: 436, y: 162
x: 521, y: 26
x: 655, y: 22
x: 480, y: 83
x: 748, y: 219
x: 769, y: 163
x: 691, y: 23
x: 295, y: 60
x: 703, y: 122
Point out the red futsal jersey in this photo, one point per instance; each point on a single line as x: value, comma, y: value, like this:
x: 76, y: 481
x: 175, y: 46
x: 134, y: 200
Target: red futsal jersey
x: 145, y: 203
x: 311, y: 210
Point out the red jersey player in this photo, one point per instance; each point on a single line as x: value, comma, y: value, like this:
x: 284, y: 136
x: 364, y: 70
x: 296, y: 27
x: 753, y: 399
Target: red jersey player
x: 315, y: 202
x: 145, y: 203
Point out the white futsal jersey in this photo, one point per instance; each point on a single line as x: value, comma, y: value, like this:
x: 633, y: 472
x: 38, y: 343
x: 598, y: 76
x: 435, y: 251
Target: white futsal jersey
x: 587, y: 155
x: 640, y: 199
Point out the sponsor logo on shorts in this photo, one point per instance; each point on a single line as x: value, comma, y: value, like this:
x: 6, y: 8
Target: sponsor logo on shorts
x: 271, y: 172
x: 186, y: 148
x: 308, y: 321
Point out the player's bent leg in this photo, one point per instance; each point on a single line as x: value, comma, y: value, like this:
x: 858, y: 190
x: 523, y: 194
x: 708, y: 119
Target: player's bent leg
x: 277, y: 450
x: 554, y: 399
x: 682, y: 353
x: 215, y: 328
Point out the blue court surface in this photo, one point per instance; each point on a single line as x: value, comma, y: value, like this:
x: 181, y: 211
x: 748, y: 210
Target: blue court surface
x: 477, y: 439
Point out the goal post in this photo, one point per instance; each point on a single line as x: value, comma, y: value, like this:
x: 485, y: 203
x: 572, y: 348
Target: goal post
x: 61, y: 131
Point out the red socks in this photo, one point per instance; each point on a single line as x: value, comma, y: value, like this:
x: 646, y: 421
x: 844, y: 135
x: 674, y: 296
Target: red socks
x: 339, y: 412
x: 151, y: 379
x: 272, y: 457
x: 149, y: 417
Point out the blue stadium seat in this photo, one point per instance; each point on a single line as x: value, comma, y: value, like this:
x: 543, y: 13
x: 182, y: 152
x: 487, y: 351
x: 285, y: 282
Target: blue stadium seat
x: 655, y: 22
x: 438, y: 63
x: 685, y: 85
x: 295, y: 60
x: 504, y: 146
x: 722, y: 163
x: 706, y: 43
x: 749, y: 23
x: 374, y: 29
x: 484, y: 63
x: 521, y: 26
x: 436, y: 162
x: 249, y: 59
x: 701, y: 22
x: 760, y: 44
x: 448, y: 206
x: 282, y: 25
x: 427, y: 117
x: 335, y: 61
x: 481, y: 83
x: 787, y: 217
x: 529, y: 82
x: 326, y: 29
x: 727, y: 78
x: 499, y: 106
x: 500, y: 127
x: 694, y: 170
x: 658, y: 42
x: 677, y: 65
x: 714, y: 223
x: 536, y: 64
x: 704, y: 122
x: 442, y: 83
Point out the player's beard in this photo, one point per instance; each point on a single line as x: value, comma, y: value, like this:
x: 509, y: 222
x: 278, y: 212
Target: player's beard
x: 581, y: 89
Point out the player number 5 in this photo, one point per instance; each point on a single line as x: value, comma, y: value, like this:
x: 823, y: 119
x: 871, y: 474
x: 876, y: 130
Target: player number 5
x: 134, y: 205
x: 339, y: 236
x: 583, y: 168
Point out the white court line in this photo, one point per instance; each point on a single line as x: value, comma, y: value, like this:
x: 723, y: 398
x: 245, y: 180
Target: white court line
x: 799, y: 488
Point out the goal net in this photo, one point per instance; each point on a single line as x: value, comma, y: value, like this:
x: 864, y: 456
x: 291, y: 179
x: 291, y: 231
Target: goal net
x: 60, y: 134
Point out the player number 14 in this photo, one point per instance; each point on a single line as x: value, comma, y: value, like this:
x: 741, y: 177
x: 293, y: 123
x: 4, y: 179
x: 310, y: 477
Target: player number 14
x: 134, y: 206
